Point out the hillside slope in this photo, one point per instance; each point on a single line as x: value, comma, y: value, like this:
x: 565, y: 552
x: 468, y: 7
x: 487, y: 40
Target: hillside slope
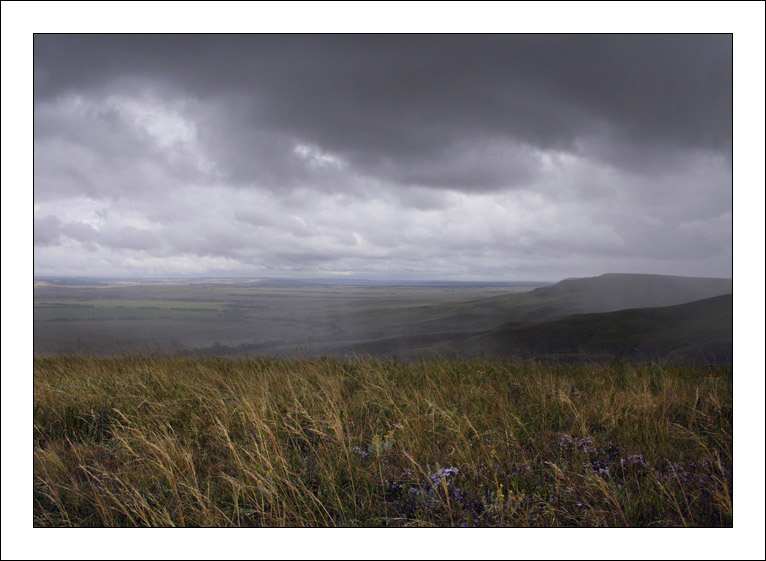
x: 605, y: 293
x: 613, y: 291
x: 700, y: 330
x: 695, y: 330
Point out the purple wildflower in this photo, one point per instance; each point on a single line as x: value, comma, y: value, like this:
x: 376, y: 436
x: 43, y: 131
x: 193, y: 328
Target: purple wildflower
x: 443, y: 473
x: 635, y: 459
x: 586, y: 444
x: 359, y: 451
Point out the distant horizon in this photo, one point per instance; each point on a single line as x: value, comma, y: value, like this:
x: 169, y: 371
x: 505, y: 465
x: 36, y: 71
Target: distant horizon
x: 350, y: 278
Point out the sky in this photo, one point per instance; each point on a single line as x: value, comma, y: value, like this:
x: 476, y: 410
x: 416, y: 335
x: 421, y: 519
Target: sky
x: 391, y: 157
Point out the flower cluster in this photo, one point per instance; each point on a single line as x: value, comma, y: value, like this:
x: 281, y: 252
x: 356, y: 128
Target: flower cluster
x: 693, y: 472
x: 381, y: 445
x: 569, y: 444
x: 515, y: 497
x: 606, y: 460
x: 634, y: 460
x: 601, y: 467
x: 423, y: 492
x: 443, y: 474
x: 502, y: 499
x: 362, y: 453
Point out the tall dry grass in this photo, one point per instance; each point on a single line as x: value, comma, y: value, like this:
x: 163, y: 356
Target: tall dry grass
x: 173, y: 441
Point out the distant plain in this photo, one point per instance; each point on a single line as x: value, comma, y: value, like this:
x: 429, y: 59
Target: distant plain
x: 605, y: 315
x: 109, y: 316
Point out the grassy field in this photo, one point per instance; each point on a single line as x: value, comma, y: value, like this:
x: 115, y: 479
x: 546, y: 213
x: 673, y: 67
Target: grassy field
x: 175, y: 441
x: 266, y: 315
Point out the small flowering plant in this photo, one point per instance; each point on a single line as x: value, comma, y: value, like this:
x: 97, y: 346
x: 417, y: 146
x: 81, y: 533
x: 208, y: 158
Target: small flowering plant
x: 381, y: 445
x: 503, y: 500
x: 515, y: 499
x: 443, y: 475
x: 569, y: 445
x: 427, y: 492
x: 636, y: 460
x: 496, y: 501
x: 362, y: 453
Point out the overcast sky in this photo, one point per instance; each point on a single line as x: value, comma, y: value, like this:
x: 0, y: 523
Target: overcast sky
x: 457, y: 157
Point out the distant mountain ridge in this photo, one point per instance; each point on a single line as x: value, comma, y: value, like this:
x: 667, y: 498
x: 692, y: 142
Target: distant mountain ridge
x: 606, y: 293
x: 702, y: 329
x: 619, y: 291
x: 645, y: 316
x: 695, y: 331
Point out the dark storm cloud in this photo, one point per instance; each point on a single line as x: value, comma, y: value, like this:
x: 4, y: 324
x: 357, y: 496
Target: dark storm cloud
x: 401, y: 105
x: 454, y: 156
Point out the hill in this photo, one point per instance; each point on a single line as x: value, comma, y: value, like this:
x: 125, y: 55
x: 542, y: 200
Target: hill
x: 695, y: 330
x: 611, y: 292
x: 605, y: 293
x: 700, y: 330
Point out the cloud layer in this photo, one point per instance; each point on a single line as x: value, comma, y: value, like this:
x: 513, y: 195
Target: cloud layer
x: 456, y: 157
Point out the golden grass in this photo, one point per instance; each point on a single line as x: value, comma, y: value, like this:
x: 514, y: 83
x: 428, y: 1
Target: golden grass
x: 176, y: 441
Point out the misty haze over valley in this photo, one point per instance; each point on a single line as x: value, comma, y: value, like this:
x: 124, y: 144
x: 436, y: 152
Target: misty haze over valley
x: 638, y: 316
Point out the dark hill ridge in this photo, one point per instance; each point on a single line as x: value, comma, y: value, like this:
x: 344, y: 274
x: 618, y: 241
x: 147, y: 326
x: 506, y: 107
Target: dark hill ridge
x: 614, y: 291
x: 606, y: 293
x: 695, y: 330
x: 700, y: 330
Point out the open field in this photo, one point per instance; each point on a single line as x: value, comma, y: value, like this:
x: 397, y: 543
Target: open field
x: 176, y: 441
x: 107, y: 317
x: 635, y: 316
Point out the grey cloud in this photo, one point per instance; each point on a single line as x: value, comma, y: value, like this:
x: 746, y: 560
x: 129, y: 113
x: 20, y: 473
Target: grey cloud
x: 79, y: 231
x: 87, y: 146
x: 50, y: 229
x: 472, y: 164
x: 47, y: 231
x: 438, y: 156
x: 129, y: 237
x: 409, y: 99
x: 256, y: 217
